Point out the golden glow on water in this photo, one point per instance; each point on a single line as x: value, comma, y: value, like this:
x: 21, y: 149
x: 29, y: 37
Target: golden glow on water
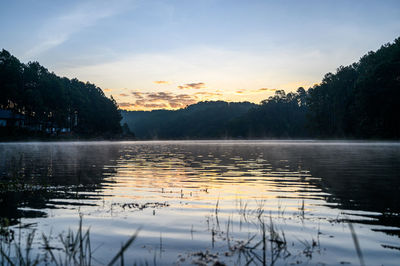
x: 203, y: 176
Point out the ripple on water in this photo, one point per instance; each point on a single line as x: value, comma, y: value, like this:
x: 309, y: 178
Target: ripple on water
x: 214, y: 191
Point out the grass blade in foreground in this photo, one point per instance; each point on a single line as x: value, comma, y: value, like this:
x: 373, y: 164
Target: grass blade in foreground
x: 124, y: 247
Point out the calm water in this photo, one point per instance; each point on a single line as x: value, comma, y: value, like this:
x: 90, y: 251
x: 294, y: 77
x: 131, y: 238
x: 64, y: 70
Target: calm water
x: 192, y: 198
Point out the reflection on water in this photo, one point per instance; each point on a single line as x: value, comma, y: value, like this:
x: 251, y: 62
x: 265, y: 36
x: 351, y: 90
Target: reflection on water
x: 170, y: 190
x: 45, y: 175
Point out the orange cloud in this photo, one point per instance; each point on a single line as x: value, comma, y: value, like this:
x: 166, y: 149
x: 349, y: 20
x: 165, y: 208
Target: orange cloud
x: 161, y: 82
x: 206, y: 93
x: 267, y: 89
x: 161, y: 100
x: 256, y: 91
x: 198, y: 85
x: 123, y: 95
x: 245, y: 91
x: 137, y: 94
x: 182, y: 100
x: 106, y: 89
x: 156, y: 96
x: 125, y: 105
x: 151, y: 105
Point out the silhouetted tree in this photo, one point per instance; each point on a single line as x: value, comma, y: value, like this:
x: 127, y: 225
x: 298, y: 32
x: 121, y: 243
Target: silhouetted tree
x: 52, y: 101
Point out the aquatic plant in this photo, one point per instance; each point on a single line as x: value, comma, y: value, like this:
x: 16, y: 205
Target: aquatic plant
x: 265, y: 245
x: 75, y: 249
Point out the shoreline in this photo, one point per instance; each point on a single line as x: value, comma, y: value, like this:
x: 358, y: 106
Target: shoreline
x: 212, y: 141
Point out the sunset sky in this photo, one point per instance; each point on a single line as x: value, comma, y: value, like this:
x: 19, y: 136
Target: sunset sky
x: 168, y: 54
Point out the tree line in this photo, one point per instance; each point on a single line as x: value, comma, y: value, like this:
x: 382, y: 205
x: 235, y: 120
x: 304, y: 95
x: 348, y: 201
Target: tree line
x: 49, y: 103
x: 359, y: 101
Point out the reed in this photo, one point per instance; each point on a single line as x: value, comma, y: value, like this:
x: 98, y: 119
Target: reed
x: 76, y: 249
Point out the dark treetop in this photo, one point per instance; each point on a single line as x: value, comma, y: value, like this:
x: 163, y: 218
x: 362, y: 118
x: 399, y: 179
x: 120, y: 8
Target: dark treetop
x: 35, y: 102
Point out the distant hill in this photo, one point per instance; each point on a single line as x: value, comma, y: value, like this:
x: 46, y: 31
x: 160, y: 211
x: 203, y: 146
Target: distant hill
x: 203, y: 120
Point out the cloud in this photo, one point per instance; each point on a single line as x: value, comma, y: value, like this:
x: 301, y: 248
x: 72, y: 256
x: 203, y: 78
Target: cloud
x: 267, y: 89
x: 244, y: 91
x: 125, y: 105
x: 182, y: 100
x: 155, y: 105
x: 160, y: 100
x: 137, y: 94
x: 123, y: 95
x: 59, y: 29
x: 218, y: 68
x: 141, y: 104
x: 198, y: 85
x: 107, y: 90
x: 206, y: 93
x: 156, y: 96
x: 161, y: 82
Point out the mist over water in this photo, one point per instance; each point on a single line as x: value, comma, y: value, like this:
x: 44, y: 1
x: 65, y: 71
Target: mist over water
x: 311, y: 190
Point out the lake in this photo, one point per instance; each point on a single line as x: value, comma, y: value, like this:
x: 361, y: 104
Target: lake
x: 202, y: 202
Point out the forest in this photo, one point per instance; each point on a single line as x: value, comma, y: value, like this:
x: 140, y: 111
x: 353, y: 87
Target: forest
x: 359, y: 101
x: 37, y: 103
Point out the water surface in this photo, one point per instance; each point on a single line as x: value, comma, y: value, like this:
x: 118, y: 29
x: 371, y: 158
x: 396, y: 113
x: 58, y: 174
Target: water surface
x: 208, y: 196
